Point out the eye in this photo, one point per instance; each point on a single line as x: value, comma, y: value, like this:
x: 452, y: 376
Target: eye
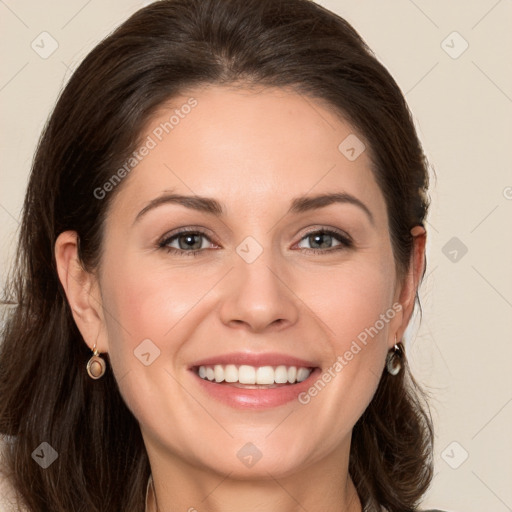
x: 325, y: 240
x: 185, y: 243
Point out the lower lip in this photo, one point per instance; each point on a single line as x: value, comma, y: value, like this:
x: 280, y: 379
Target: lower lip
x: 262, y: 398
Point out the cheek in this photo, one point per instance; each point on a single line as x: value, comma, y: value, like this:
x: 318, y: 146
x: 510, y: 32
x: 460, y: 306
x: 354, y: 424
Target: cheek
x: 357, y: 311
x: 152, y: 309
x: 148, y: 301
x: 352, y: 302
x: 142, y: 304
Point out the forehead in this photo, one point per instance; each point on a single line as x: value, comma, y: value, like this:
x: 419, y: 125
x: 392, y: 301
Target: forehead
x: 251, y: 148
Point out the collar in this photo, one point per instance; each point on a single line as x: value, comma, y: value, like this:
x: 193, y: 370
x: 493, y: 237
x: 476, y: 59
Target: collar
x: 148, y: 487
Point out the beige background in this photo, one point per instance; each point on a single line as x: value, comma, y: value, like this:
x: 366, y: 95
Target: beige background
x: 462, y: 106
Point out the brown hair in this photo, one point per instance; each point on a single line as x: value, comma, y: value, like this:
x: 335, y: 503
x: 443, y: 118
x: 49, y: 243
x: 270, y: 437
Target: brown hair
x: 157, y: 53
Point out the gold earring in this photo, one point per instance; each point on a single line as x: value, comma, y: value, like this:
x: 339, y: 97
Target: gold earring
x: 96, y: 365
x: 394, y: 358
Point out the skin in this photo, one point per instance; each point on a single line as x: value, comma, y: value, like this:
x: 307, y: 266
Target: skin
x: 253, y: 151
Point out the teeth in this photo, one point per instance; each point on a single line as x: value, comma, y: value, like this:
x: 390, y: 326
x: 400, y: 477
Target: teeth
x: 281, y: 375
x: 230, y: 373
x: 265, y: 375
x: 218, y: 373
x: 302, y: 374
x: 247, y: 374
x: 262, y: 375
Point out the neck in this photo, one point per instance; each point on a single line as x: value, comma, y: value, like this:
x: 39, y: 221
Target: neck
x: 319, y: 488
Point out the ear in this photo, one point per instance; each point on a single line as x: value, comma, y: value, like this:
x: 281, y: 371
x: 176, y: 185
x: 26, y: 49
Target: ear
x: 82, y: 291
x: 407, y: 293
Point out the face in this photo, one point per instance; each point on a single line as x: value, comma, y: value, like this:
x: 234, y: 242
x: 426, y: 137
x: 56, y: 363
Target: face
x: 219, y: 266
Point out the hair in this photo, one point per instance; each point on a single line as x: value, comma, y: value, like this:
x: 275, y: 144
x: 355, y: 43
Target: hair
x: 158, y: 53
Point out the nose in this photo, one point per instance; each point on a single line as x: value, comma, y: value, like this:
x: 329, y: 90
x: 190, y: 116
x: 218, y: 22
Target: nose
x: 259, y: 296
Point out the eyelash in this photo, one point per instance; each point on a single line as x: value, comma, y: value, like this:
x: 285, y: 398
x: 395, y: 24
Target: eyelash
x: 345, y: 242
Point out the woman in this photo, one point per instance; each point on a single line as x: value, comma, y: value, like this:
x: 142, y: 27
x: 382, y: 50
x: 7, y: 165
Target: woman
x: 267, y: 371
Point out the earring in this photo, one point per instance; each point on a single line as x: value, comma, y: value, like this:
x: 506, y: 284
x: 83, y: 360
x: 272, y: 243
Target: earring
x: 96, y: 365
x: 394, y: 358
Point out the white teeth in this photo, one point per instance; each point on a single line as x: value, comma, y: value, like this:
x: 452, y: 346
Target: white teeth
x: 218, y: 372
x: 302, y: 374
x: 265, y: 375
x: 230, y: 373
x: 281, y: 375
x: 247, y: 374
x: 261, y: 375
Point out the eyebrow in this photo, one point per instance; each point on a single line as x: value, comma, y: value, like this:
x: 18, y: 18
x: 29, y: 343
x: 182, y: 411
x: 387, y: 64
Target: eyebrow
x: 298, y: 205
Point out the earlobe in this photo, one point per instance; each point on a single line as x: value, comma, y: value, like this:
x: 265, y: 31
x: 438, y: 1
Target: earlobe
x: 82, y: 291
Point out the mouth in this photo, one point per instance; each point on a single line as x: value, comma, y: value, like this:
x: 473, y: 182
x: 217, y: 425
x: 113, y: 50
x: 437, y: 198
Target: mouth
x: 253, y: 377
x: 254, y: 381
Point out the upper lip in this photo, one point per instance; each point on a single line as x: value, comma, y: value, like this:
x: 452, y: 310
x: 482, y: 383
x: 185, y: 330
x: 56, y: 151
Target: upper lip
x: 244, y: 358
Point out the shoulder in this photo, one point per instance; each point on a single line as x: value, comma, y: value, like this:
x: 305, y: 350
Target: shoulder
x: 8, y: 495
